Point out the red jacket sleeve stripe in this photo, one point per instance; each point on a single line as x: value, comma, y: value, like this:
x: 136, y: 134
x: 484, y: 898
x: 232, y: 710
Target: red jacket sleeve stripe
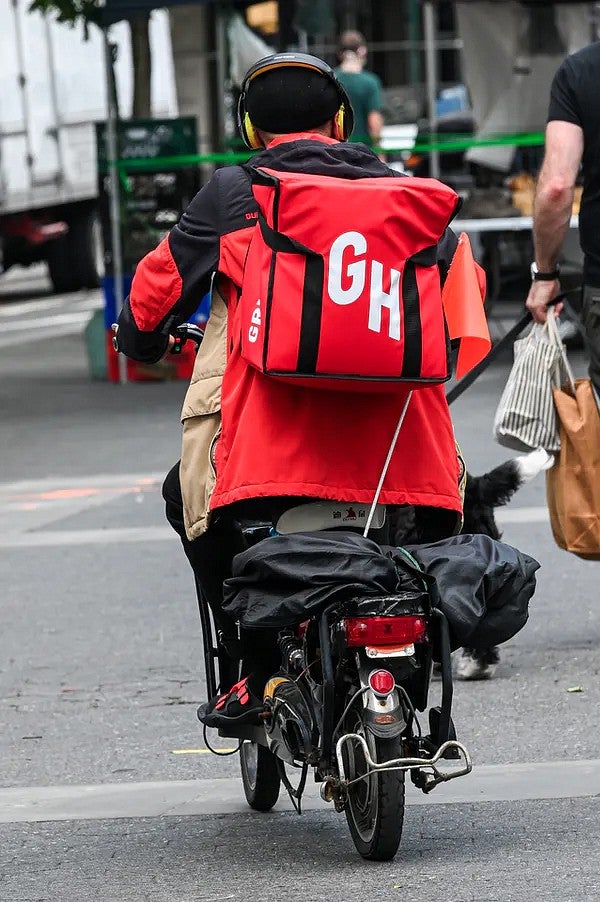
x: 156, y: 287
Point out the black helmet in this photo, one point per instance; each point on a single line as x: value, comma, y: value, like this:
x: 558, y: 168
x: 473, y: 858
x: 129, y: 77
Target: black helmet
x: 292, y: 92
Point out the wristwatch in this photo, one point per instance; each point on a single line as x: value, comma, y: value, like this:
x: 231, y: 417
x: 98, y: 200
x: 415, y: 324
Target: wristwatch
x: 537, y: 276
x: 115, y: 338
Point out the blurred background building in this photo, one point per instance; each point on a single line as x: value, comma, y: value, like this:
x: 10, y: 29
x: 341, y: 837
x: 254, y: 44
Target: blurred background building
x: 473, y: 68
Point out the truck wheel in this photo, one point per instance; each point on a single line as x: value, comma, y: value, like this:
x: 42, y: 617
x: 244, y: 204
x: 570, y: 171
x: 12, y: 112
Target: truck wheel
x: 74, y: 260
x: 89, y: 252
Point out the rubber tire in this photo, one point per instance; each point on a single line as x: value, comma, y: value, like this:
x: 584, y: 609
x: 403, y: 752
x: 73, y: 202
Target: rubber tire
x: 261, y: 789
x: 71, y: 259
x: 384, y: 840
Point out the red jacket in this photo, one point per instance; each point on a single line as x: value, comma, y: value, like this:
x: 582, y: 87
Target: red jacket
x: 279, y: 439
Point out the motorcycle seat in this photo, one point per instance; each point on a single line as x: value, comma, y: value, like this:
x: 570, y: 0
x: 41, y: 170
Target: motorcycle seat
x: 317, y: 515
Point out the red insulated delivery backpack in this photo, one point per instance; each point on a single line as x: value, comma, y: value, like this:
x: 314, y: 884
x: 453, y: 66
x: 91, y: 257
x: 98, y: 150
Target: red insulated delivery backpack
x: 341, y: 287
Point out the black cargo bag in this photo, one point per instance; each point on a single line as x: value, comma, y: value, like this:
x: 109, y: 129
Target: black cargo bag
x: 484, y: 587
x: 286, y: 579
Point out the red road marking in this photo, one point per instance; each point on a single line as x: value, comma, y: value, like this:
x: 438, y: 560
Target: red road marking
x: 87, y: 492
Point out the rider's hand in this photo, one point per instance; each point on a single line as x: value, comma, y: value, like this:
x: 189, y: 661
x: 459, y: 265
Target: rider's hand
x: 540, y: 294
x: 169, y: 346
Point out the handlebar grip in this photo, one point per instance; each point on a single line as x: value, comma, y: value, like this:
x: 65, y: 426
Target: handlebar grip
x: 185, y: 332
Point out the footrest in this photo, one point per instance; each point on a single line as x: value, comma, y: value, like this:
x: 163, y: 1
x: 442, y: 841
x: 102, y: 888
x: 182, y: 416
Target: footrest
x: 251, y: 733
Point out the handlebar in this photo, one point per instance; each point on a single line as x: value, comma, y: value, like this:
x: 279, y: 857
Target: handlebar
x: 183, y: 333
x: 186, y: 332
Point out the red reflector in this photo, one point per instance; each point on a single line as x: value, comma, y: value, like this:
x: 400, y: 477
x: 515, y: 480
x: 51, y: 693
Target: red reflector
x: 382, y: 631
x: 381, y: 682
x: 301, y: 628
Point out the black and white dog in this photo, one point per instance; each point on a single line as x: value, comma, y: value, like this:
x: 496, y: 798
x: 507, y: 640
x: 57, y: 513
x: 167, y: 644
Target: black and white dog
x: 483, y: 495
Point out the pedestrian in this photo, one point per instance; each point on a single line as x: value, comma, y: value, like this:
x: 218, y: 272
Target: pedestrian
x: 572, y: 142
x: 254, y: 446
x: 363, y: 88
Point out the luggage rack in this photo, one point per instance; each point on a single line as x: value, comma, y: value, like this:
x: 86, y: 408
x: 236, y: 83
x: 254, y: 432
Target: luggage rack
x: 451, y: 746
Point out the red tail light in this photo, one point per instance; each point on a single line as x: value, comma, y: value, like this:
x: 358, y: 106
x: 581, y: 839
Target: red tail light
x: 382, y: 682
x: 382, y: 631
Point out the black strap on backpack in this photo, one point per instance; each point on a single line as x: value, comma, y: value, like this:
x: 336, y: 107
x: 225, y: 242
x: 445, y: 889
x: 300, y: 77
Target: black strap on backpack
x: 457, y: 390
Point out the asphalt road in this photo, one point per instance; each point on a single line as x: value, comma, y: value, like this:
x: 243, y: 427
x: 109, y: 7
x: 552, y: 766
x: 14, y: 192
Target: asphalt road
x: 110, y: 793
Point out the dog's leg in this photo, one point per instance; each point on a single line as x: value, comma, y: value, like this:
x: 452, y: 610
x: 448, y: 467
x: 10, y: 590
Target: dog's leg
x: 530, y: 465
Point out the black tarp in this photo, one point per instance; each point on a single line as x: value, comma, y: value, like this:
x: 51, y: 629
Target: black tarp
x: 483, y: 586
x: 283, y: 580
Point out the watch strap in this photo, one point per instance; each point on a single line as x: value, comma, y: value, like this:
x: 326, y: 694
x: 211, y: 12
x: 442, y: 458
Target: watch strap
x: 549, y: 276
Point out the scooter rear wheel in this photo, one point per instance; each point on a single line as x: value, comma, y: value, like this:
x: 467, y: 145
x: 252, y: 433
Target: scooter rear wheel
x: 375, y: 806
x: 260, y: 777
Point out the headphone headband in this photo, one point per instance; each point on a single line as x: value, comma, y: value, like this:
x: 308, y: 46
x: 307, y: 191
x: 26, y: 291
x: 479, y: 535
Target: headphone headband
x: 344, y: 118
x: 281, y: 60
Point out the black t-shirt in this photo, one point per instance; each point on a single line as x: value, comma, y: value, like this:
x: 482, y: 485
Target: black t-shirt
x: 575, y: 97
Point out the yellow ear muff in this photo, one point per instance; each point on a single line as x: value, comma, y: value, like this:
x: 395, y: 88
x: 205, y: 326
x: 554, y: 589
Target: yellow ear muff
x: 339, y: 126
x: 253, y: 140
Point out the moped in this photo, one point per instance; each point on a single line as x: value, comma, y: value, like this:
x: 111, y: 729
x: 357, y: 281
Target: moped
x: 345, y: 702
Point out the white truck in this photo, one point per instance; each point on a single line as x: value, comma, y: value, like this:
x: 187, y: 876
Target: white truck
x: 52, y: 91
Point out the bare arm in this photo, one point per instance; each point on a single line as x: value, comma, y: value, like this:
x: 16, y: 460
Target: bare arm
x: 554, y: 194
x: 552, y: 207
x: 375, y: 124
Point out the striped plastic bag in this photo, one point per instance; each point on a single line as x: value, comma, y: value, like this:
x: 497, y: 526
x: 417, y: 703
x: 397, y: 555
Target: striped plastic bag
x: 526, y: 417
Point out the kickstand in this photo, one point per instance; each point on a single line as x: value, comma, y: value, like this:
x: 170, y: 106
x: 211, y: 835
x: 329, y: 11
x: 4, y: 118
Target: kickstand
x: 297, y: 793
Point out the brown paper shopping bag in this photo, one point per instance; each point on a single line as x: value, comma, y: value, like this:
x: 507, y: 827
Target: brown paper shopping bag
x: 573, y: 483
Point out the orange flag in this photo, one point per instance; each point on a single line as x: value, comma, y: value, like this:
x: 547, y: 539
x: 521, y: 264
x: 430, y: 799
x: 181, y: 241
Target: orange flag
x: 463, y: 295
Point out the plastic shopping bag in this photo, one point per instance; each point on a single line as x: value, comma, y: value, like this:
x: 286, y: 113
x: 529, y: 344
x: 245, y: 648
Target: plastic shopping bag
x: 526, y: 418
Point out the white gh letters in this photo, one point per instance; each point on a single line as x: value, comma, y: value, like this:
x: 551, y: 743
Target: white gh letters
x: 356, y: 272
x: 256, y: 319
x: 380, y: 298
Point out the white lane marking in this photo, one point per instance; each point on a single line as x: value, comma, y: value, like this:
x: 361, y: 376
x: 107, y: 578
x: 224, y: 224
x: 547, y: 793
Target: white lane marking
x: 106, y: 480
x: 27, y: 311
x: 42, y: 322
x: 45, y: 496
x: 222, y: 750
x: 96, y: 480
x: 107, y: 801
x: 29, y: 520
x: 119, y: 534
x: 47, y: 333
x: 39, y: 492
x: 523, y: 515
x: 30, y: 307
x: 87, y: 537
x: 80, y: 301
x: 34, y: 505
x: 36, y: 272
